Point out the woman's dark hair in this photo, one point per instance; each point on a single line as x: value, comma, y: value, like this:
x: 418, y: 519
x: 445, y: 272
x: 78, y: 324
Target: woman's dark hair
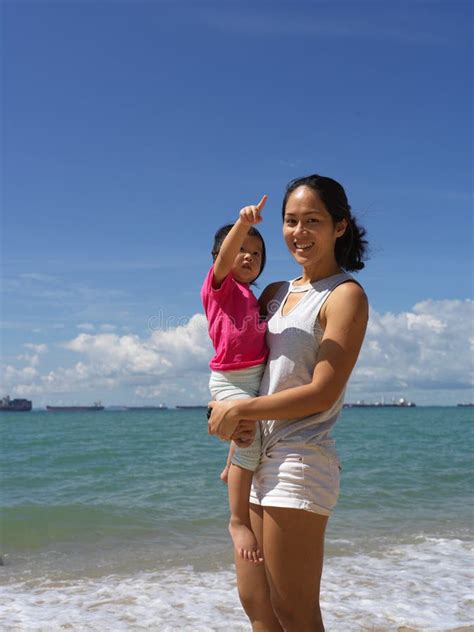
x: 351, y: 247
x: 222, y: 233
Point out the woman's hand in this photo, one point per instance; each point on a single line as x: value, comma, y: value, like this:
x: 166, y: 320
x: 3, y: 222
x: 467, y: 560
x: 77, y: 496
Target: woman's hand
x: 224, y: 421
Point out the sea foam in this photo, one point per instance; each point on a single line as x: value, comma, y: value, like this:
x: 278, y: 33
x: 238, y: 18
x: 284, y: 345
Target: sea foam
x: 426, y: 585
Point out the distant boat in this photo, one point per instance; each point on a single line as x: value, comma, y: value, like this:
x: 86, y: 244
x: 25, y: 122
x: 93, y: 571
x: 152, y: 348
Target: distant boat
x: 15, y: 405
x: 465, y: 405
x: 74, y: 409
x: 400, y: 403
x: 191, y: 407
x: 160, y: 407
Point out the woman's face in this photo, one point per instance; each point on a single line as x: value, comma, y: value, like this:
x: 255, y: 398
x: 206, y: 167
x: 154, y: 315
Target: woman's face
x: 309, y: 230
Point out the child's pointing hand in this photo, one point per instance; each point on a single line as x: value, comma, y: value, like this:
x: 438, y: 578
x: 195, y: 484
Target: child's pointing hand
x: 250, y: 215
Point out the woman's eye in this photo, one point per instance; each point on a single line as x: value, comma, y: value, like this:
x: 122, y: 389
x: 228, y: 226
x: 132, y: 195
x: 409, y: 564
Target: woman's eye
x: 290, y: 222
x: 256, y: 254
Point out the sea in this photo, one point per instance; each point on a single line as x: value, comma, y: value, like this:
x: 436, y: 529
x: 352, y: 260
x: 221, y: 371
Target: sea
x: 115, y: 521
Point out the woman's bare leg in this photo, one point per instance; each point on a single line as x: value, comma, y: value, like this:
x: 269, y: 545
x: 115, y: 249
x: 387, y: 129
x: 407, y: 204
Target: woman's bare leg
x: 254, y: 591
x: 293, y: 546
x: 239, y: 482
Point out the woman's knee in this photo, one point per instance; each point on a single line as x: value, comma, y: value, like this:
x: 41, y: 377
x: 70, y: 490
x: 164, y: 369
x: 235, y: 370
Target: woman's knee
x: 295, y: 616
x: 255, y: 602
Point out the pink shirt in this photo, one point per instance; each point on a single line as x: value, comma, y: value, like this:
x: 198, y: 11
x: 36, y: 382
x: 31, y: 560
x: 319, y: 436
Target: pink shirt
x: 235, y: 329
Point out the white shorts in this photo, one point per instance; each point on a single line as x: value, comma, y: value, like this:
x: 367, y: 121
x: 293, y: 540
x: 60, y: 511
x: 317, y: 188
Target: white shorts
x: 240, y: 384
x: 297, y: 476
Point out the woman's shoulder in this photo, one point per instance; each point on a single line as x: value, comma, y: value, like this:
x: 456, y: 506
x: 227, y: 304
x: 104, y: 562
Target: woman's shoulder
x: 349, y: 287
x: 348, y: 292
x: 347, y: 300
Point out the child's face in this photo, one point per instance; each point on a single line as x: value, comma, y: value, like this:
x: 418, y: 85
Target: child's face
x: 248, y: 262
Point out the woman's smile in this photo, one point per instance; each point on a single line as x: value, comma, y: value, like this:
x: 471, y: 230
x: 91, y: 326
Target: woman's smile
x: 302, y: 247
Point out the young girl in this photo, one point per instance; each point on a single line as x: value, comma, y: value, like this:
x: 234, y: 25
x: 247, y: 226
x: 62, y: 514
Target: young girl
x: 238, y: 336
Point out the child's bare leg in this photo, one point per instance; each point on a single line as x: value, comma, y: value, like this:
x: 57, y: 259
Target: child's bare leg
x: 224, y: 475
x: 245, y: 543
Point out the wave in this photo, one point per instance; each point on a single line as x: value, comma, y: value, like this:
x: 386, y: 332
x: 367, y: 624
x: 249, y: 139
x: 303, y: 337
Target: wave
x: 424, y: 585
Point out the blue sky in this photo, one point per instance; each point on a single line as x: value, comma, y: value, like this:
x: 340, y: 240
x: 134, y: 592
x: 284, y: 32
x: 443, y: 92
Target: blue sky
x: 133, y: 130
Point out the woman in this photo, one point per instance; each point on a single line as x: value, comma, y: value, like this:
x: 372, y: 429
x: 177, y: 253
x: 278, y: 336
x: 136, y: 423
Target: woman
x: 316, y: 325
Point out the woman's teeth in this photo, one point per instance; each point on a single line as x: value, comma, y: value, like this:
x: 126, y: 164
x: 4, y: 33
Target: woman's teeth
x: 303, y: 246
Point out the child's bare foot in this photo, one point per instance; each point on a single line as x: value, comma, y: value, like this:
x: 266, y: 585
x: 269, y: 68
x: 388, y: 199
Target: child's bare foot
x: 224, y: 475
x: 244, y: 541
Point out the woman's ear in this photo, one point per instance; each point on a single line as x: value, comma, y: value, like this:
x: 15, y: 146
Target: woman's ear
x: 341, y: 228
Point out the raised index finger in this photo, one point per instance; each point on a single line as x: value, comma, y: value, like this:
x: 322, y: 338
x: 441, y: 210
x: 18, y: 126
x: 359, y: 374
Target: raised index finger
x: 262, y: 202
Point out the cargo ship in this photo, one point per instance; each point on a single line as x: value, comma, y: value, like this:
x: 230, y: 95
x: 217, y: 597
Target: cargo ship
x: 74, y: 409
x: 15, y: 405
x: 194, y: 407
x: 160, y: 407
x: 400, y: 403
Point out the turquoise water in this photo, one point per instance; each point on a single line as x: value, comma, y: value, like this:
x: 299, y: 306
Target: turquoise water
x: 111, y: 494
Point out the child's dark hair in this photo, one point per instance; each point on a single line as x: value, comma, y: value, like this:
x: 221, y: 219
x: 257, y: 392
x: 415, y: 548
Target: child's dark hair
x: 222, y: 233
x: 351, y: 247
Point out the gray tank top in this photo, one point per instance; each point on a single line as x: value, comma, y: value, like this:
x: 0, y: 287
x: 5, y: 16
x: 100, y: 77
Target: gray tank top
x: 294, y: 341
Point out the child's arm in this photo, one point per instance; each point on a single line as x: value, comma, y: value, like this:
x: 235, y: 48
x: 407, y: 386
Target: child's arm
x: 233, y: 241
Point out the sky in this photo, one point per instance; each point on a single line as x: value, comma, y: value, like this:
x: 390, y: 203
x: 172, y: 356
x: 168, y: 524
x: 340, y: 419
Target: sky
x: 131, y: 131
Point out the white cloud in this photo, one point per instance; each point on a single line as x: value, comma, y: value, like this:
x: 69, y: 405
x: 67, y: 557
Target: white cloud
x: 183, y: 348
x: 86, y: 326
x: 41, y: 348
x: 40, y: 277
x: 171, y: 363
x: 32, y: 359
x: 279, y: 25
x: 428, y: 348
x: 26, y: 374
x: 58, y: 292
x: 119, y: 354
x: 425, y: 352
x: 194, y: 391
x: 107, y: 327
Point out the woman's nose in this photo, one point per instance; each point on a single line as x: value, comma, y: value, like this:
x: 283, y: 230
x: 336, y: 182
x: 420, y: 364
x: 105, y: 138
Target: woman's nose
x: 300, y: 228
